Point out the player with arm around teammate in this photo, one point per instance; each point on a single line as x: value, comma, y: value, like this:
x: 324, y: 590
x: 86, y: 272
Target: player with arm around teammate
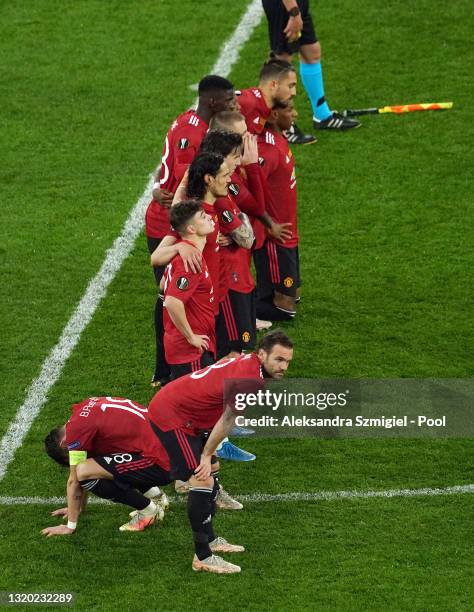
x: 189, y: 338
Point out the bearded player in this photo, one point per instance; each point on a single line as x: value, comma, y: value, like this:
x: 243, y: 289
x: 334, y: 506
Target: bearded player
x: 110, y: 452
x: 190, y: 419
x: 277, y: 83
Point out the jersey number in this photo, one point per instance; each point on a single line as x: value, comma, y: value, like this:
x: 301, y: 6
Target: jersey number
x: 124, y: 404
x: 215, y: 366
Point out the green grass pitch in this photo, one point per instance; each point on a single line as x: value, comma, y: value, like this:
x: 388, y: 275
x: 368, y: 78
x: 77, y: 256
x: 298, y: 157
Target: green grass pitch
x: 89, y: 89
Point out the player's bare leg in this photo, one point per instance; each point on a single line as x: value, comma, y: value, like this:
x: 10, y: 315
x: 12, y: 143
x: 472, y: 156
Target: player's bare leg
x: 286, y: 303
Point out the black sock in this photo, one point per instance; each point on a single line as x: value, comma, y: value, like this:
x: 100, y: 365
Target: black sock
x: 108, y: 489
x: 162, y: 369
x: 211, y: 536
x: 199, y: 514
x: 268, y: 311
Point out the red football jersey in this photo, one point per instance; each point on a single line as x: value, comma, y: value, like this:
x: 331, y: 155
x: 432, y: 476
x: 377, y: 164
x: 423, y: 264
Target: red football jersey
x: 212, y: 255
x: 247, y: 191
x: 195, y: 402
x: 254, y: 108
x: 211, y: 252
x: 235, y: 266
x: 228, y: 215
x: 196, y: 293
x: 105, y: 425
x: 182, y: 142
x: 278, y: 166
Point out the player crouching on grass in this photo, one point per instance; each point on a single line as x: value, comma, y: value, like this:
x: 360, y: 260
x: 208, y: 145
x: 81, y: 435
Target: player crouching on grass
x: 126, y: 463
x: 190, y: 419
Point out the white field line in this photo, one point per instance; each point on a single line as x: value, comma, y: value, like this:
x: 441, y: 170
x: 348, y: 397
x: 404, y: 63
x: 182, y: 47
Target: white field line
x: 53, y: 365
x: 300, y: 496
x: 230, y: 51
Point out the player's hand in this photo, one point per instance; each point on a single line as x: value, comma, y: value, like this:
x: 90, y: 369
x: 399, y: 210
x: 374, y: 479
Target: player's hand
x: 199, y: 341
x: 191, y: 257
x: 180, y: 194
x: 280, y: 231
x: 224, y: 241
x: 57, y: 530
x: 203, y: 470
x: 163, y: 197
x: 293, y: 28
x: 250, y: 153
x: 60, y: 512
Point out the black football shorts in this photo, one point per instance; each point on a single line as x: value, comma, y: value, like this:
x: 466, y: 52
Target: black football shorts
x: 235, y: 328
x: 135, y: 470
x: 277, y: 18
x: 277, y: 269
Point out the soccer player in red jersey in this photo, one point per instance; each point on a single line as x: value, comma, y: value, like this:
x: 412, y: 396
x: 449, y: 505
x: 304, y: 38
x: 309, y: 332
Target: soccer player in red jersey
x: 181, y: 145
x: 247, y: 182
x: 236, y: 323
x: 108, y: 446
x: 277, y: 262
x: 190, y: 342
x: 277, y: 83
x: 208, y: 178
x: 181, y: 415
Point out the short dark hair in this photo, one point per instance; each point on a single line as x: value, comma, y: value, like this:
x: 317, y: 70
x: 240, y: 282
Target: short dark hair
x: 213, y: 83
x: 224, y: 120
x: 202, y: 164
x: 220, y: 141
x: 272, y: 338
x: 275, y: 69
x: 182, y: 212
x: 52, y: 445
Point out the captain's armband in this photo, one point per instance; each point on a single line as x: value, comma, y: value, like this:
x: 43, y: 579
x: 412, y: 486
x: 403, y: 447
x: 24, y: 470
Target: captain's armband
x: 77, y: 456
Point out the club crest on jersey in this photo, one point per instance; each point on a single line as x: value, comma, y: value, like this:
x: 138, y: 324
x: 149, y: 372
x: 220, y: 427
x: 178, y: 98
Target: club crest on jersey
x: 227, y: 216
x: 183, y: 143
x: 246, y: 336
x: 288, y: 282
x: 234, y: 189
x: 261, y: 161
x: 74, y: 445
x: 182, y: 283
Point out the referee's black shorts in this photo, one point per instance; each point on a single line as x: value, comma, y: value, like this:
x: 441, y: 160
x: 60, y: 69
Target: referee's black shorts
x: 134, y: 470
x: 277, y: 17
x: 277, y: 269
